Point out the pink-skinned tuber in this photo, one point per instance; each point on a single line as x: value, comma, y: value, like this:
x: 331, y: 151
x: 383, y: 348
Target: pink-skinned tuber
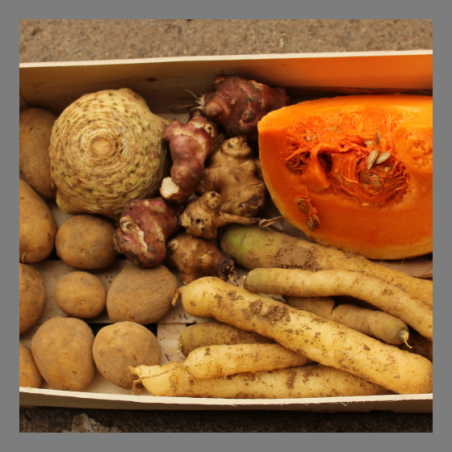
x: 238, y: 104
x: 234, y: 173
x: 144, y: 228
x: 196, y: 257
x: 189, y: 144
x: 202, y: 217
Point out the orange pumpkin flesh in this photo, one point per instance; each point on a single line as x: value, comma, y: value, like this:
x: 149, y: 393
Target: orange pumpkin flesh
x: 354, y: 172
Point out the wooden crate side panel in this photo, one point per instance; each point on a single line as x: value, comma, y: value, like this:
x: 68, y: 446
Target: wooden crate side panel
x: 415, y: 404
x: 169, y: 84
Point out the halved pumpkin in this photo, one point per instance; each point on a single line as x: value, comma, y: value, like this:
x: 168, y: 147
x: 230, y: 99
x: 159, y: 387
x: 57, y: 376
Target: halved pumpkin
x: 354, y: 172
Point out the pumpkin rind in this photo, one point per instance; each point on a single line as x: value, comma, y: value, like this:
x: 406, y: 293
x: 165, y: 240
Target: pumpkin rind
x: 319, y: 153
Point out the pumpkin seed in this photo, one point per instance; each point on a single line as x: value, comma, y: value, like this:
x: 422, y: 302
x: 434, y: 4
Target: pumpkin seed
x: 310, y: 223
x: 303, y: 206
x: 363, y: 177
x: 377, y: 137
x: 371, y: 158
x: 376, y: 181
x: 388, y: 168
x: 382, y: 158
x: 316, y: 221
x: 369, y: 143
x: 308, y: 139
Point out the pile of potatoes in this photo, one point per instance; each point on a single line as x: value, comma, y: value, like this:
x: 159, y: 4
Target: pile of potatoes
x: 64, y: 352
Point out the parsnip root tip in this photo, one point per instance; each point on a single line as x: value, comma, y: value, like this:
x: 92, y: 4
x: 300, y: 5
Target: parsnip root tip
x: 266, y: 223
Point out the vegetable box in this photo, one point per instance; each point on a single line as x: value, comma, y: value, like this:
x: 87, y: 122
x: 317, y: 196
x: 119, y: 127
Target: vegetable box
x: 170, y: 86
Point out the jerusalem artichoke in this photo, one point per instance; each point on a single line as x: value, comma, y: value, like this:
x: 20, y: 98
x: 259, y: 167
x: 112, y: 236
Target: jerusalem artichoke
x: 233, y: 172
x: 195, y: 257
x: 189, y: 145
x: 144, y: 227
x: 202, y: 217
x: 239, y: 104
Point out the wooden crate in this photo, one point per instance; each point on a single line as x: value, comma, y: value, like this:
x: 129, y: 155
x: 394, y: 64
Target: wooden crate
x: 169, y: 85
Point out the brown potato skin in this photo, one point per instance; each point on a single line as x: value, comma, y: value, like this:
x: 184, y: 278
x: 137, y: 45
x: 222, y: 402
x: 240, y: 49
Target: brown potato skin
x: 32, y: 297
x: 37, y: 227
x: 124, y: 344
x: 29, y: 376
x: 35, y: 128
x: 86, y: 242
x: 141, y: 295
x: 80, y: 294
x: 62, y: 350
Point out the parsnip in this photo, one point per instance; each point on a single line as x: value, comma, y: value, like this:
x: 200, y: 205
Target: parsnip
x: 378, y: 324
x: 216, y: 333
x: 224, y: 360
x: 321, y: 340
x: 301, y: 283
x: 254, y: 247
x: 172, y: 380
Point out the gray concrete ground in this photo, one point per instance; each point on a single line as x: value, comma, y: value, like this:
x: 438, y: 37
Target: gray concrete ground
x: 75, y: 40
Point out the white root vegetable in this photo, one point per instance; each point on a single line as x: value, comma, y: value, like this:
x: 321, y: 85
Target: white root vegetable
x: 172, y: 380
x: 301, y: 283
x: 378, y: 324
x: 321, y: 340
x: 224, y: 360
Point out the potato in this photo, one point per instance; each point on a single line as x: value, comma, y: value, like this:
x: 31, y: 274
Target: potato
x: 32, y: 297
x: 86, y: 242
x: 80, y: 294
x: 141, y: 295
x: 124, y: 344
x: 35, y: 128
x: 63, y: 351
x: 37, y: 227
x: 29, y: 376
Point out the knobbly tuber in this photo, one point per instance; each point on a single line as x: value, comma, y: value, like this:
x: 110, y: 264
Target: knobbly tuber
x: 172, y: 380
x: 144, y: 228
x: 189, y: 145
x: 233, y: 172
x: 238, y: 104
x: 378, y: 324
x: 384, y: 296
x: 216, y: 333
x: 195, y: 257
x: 321, y: 340
x: 202, y: 217
x: 253, y: 247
